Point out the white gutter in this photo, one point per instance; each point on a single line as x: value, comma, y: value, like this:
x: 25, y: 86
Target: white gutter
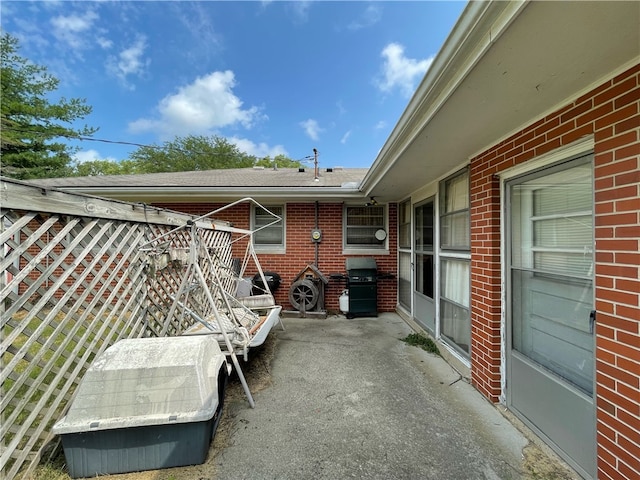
x: 479, y: 26
x: 185, y: 193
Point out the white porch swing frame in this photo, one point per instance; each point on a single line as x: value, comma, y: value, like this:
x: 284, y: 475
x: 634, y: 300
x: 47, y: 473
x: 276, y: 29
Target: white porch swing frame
x: 218, y: 298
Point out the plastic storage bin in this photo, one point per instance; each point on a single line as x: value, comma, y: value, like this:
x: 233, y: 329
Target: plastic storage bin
x: 145, y: 404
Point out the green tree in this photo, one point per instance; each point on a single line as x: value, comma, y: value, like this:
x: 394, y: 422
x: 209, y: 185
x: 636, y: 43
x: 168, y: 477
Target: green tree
x: 103, y: 167
x: 184, y: 154
x: 31, y: 125
x: 190, y: 153
x: 279, y: 161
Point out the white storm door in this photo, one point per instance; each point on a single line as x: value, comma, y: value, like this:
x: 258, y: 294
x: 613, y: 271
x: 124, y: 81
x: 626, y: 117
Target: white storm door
x: 550, y: 318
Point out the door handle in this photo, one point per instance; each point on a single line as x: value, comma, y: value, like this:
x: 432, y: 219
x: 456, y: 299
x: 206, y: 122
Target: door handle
x: 592, y: 321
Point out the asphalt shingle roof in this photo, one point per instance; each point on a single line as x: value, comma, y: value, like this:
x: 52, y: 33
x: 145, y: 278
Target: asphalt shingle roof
x: 223, y: 178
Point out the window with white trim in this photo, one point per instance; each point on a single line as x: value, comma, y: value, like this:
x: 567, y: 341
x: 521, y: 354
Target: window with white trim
x: 267, y: 234
x: 404, y: 225
x: 454, y: 212
x: 362, y: 227
x: 404, y: 254
x: 455, y: 259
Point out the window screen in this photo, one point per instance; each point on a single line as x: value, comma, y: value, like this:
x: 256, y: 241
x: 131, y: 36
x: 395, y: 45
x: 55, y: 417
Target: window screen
x: 361, y: 225
x: 268, y: 236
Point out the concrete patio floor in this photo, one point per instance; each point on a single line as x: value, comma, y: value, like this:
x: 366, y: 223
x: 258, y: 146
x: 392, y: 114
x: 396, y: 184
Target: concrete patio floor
x: 349, y: 399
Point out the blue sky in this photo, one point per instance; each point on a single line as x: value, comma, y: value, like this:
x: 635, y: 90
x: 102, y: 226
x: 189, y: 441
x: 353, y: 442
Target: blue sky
x: 273, y: 77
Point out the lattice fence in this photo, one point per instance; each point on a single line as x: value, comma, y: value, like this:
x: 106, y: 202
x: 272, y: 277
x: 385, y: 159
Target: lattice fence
x: 73, y: 281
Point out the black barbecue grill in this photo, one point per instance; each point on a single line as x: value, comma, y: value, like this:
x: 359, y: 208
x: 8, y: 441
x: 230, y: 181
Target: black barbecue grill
x: 362, y: 284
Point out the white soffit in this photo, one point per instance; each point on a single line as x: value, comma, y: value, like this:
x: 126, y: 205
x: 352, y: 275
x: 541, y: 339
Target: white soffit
x: 546, y: 55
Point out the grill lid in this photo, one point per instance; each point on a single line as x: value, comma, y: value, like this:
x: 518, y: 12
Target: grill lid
x: 361, y: 263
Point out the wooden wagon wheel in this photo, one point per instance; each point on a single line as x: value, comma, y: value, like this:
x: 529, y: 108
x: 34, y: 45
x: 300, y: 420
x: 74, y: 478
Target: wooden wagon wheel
x: 303, y: 295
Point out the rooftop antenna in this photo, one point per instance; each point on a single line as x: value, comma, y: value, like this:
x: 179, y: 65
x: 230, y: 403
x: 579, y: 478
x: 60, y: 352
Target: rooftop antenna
x: 315, y: 165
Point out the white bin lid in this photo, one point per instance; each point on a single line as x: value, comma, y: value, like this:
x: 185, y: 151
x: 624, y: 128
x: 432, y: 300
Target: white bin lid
x: 147, y: 381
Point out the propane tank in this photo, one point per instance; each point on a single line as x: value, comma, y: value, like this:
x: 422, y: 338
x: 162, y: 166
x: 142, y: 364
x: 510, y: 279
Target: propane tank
x: 344, y: 301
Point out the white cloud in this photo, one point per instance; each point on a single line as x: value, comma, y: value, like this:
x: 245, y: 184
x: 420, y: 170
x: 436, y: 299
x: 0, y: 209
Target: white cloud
x: 345, y: 137
x: 84, y: 156
x: 311, y: 128
x: 29, y: 34
x: 129, y: 62
x: 74, y: 29
x: 198, y: 20
x: 300, y: 9
x: 399, y: 71
x: 371, y: 15
x: 201, y: 107
x: 380, y: 125
x: 259, y: 150
x: 341, y: 108
x: 104, y: 43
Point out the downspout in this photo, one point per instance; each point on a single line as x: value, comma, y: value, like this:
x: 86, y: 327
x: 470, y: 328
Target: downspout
x: 317, y: 243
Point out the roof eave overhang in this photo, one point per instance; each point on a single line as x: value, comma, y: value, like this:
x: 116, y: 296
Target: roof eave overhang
x: 477, y: 28
x: 504, y: 66
x: 186, y: 194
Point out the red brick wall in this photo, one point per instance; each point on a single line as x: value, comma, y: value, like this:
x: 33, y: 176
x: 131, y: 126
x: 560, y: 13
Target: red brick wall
x: 617, y: 219
x: 611, y: 113
x: 301, y: 251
